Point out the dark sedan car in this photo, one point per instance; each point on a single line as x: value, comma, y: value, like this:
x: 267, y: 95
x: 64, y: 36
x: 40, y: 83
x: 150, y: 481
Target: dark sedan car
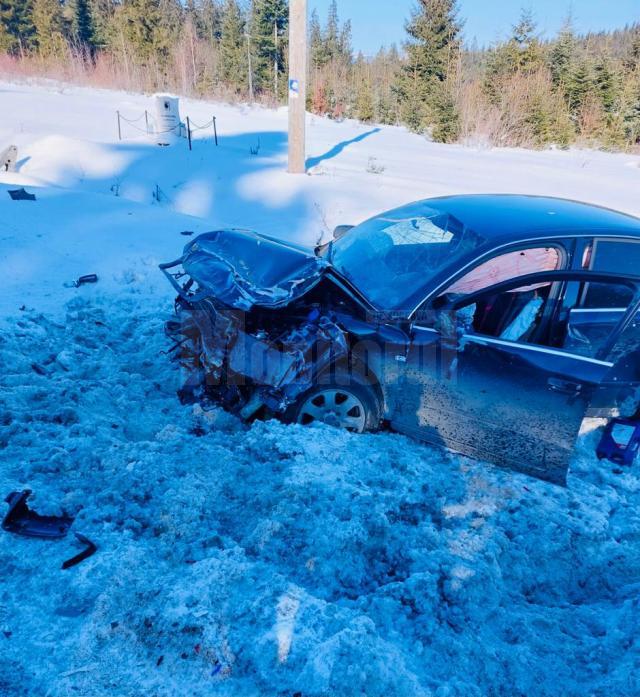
x: 489, y: 324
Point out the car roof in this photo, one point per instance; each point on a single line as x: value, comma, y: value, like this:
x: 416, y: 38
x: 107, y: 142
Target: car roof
x: 515, y: 216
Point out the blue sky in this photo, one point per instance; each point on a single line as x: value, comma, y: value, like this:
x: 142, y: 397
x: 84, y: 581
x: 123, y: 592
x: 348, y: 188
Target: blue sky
x: 377, y: 22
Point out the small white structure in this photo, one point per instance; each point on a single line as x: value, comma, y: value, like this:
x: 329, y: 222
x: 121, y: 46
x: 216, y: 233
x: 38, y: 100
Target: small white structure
x: 8, y: 158
x: 168, y: 127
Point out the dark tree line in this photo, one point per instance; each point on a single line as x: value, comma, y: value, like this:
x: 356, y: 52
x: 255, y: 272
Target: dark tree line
x: 522, y: 91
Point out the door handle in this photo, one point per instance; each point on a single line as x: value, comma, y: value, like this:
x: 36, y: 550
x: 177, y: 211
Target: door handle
x: 564, y: 386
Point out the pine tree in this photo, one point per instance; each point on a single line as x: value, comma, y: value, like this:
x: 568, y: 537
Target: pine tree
x: 432, y: 51
x: 364, y: 103
x: 522, y: 53
x: 82, y: 25
x: 332, y: 32
x: 632, y: 59
x: 344, y: 43
x: 528, y: 51
x: 49, y: 27
x: 269, y: 26
x: 207, y: 16
x: 102, y: 15
x: 606, y: 84
x: 387, y: 64
x: 143, y: 28
x: 631, y: 116
x: 317, y: 47
x: 169, y: 30
x: 331, y: 44
x: 546, y: 114
x: 17, y: 33
x: 579, y: 85
x: 233, y: 51
x: 364, y: 110
x: 447, y: 119
x: 563, y: 55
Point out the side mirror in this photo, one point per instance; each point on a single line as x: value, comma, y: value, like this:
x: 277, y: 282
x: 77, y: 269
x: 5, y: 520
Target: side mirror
x: 341, y: 231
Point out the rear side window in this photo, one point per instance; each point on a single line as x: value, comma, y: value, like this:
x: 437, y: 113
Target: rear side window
x: 611, y: 256
x: 508, y: 266
x: 616, y: 256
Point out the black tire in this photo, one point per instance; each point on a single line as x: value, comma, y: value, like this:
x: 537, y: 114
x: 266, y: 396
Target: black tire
x: 347, y: 398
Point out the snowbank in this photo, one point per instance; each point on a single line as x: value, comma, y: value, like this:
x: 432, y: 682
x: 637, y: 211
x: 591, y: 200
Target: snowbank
x: 272, y: 559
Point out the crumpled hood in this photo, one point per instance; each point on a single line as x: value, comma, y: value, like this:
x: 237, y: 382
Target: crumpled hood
x: 241, y: 268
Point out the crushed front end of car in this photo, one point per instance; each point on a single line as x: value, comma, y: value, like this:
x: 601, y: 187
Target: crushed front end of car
x: 253, y: 326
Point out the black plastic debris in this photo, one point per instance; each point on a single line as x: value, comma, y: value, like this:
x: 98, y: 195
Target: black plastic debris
x: 186, y: 233
x: 21, y: 195
x: 23, y: 521
x: 89, y: 278
x: 83, y: 280
x: 89, y: 550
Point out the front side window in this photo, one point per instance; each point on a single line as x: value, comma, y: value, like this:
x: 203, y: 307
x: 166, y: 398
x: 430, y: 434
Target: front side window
x: 533, y: 315
x: 513, y: 315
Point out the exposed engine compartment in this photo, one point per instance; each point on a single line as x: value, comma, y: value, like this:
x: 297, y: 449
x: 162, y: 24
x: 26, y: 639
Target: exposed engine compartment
x: 256, y: 320
x: 263, y: 358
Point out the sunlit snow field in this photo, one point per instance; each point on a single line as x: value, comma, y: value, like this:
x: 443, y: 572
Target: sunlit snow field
x: 271, y: 559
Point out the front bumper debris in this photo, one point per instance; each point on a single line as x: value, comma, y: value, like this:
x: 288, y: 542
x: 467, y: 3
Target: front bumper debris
x: 21, y: 520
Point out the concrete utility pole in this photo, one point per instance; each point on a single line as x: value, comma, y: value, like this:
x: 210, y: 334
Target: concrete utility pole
x: 297, y: 84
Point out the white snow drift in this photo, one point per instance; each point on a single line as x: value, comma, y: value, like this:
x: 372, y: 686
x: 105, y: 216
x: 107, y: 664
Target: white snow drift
x: 271, y: 559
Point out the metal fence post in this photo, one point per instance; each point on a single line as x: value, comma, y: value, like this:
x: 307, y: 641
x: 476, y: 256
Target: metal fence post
x: 146, y: 120
x: 215, y: 130
x: 119, y: 131
x: 189, y: 132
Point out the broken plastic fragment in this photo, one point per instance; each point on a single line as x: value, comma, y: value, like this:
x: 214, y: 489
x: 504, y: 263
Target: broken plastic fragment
x: 88, y: 278
x: 23, y: 521
x: 88, y: 551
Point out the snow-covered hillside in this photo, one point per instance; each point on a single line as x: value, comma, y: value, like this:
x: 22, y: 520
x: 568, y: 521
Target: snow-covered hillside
x: 271, y: 559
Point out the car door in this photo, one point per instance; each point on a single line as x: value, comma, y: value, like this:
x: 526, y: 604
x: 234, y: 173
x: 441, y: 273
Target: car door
x: 488, y: 392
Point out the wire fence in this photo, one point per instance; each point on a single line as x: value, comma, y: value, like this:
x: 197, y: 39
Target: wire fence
x: 180, y: 129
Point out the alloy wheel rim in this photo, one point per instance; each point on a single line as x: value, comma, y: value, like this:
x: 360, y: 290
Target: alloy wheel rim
x: 335, y: 407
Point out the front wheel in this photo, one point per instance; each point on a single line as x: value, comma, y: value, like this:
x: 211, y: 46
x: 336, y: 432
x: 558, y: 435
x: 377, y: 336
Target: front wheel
x: 345, y: 400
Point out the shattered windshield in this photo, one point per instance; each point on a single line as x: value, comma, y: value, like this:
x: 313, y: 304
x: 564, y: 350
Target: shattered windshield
x: 390, y: 257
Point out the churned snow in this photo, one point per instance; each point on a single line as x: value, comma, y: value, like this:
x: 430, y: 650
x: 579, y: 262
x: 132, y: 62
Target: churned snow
x: 270, y: 559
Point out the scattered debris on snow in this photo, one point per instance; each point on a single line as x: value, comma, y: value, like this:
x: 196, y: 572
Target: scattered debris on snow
x: 82, y: 280
x: 21, y: 520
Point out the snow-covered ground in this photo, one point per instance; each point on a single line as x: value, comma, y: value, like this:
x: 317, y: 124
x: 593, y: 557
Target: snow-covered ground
x: 271, y: 559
